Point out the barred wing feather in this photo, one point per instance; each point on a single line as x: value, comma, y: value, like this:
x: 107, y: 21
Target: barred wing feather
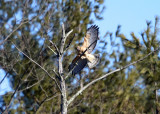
x: 92, y: 32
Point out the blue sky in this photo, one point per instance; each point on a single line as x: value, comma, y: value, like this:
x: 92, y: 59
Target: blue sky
x: 5, y: 86
x: 130, y: 14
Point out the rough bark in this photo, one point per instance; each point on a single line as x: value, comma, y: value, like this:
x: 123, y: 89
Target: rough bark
x: 64, y: 105
x: 63, y: 88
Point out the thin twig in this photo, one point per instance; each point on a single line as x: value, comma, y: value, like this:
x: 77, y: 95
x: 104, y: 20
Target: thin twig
x: 22, y: 23
x: 69, y: 43
x: 13, y: 32
x: 57, y: 50
x: 63, y: 30
x: 104, y: 76
x: 28, y: 87
x: 43, y: 90
x: 48, y: 99
x: 12, y: 96
x: 45, y: 100
x: 68, y: 33
x: 3, y: 78
x: 52, y: 50
x: 58, y: 76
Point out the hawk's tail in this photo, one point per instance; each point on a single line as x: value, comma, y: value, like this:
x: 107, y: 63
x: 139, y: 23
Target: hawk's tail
x: 94, y: 61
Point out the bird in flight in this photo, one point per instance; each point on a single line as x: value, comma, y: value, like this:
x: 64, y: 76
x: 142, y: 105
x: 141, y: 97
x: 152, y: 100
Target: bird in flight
x: 84, y: 56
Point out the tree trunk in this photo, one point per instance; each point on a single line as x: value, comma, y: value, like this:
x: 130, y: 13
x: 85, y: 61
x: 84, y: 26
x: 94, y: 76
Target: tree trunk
x: 63, y: 98
x: 64, y: 105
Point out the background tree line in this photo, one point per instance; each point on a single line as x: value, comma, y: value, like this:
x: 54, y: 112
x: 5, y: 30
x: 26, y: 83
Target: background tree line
x: 32, y: 26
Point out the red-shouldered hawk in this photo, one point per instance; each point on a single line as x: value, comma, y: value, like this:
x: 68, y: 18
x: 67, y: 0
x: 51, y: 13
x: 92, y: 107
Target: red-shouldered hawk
x: 89, y: 59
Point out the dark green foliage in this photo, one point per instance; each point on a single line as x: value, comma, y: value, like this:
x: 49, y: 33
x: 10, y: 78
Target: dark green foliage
x: 148, y: 69
x: 132, y: 90
x: 35, y: 23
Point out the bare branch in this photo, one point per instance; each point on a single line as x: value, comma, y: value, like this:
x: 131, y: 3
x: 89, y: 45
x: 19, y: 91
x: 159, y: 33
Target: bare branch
x: 63, y: 29
x: 3, y: 78
x: 69, y: 43
x: 68, y: 33
x: 52, y: 50
x: 13, y: 32
x: 22, y: 23
x: 12, y: 96
x: 43, y: 90
x: 46, y: 99
x: 57, y: 50
x: 28, y: 87
x: 39, y: 66
x: 104, y: 76
x: 57, y: 75
x: 64, y: 38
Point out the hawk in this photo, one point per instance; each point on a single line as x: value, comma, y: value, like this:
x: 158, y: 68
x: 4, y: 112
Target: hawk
x: 84, y: 56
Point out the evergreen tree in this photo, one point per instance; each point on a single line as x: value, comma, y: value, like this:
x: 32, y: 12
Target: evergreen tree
x: 31, y: 38
x: 29, y: 25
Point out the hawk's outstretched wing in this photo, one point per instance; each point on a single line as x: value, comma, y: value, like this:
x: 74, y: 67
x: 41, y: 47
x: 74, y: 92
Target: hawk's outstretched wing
x: 90, y: 42
x: 92, y: 37
x: 77, y: 65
